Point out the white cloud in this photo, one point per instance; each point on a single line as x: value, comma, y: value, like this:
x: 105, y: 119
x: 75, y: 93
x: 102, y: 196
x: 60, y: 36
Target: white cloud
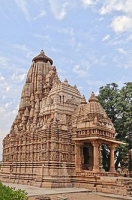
x: 44, y: 37
x: 11, y: 114
x: 56, y: 50
x: 18, y: 77
x: 1, y: 78
x: 80, y: 72
x: 128, y: 65
x: 22, y: 4
x: 29, y: 54
x: 117, y: 5
x: 105, y: 38
x: 67, y: 30
x: 121, y: 50
x: 21, y: 47
x: 40, y: 15
x: 3, y: 61
x: 2, y: 111
x: 25, y: 7
x: 59, y: 8
x: 7, y: 88
x: 109, y: 6
x: 94, y: 83
x: 121, y: 24
x: 8, y: 104
x: 129, y: 38
x: 6, y: 118
x: 87, y: 3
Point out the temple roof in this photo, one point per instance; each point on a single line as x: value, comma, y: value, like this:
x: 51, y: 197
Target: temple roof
x: 93, y: 113
x: 98, y: 138
x: 42, y: 57
x: 93, y: 106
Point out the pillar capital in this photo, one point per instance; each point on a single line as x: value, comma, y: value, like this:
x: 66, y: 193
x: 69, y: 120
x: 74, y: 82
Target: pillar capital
x: 95, y: 143
x: 112, y: 146
x: 79, y: 144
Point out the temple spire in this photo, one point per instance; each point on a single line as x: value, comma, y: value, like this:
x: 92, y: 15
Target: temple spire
x: 83, y: 100
x: 93, y: 98
x: 42, y: 57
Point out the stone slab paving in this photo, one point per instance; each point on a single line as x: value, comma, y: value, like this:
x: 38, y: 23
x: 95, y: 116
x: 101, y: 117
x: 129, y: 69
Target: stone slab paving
x: 114, y: 196
x: 35, y: 191
x: 32, y: 191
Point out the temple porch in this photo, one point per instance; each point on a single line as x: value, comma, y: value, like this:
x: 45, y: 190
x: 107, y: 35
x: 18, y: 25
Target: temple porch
x: 88, y: 158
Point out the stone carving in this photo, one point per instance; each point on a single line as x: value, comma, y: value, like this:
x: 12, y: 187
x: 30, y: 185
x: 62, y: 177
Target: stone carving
x: 52, y: 115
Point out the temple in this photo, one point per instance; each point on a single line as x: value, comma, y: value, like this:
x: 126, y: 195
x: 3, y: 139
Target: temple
x: 57, y: 136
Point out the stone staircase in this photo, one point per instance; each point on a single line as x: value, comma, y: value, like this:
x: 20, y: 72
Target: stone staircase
x: 115, y: 185
x: 105, y: 184
x: 128, y: 184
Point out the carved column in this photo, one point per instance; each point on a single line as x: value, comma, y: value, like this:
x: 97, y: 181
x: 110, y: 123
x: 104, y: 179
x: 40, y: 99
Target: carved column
x: 100, y: 158
x: 112, y: 165
x: 95, y: 156
x: 77, y: 156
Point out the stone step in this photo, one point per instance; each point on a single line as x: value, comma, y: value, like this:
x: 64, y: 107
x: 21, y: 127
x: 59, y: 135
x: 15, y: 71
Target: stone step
x: 62, y: 198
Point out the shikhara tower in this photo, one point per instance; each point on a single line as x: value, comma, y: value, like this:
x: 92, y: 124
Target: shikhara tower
x: 56, y: 136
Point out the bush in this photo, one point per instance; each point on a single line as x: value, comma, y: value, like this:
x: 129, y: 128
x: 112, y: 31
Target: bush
x: 7, y: 193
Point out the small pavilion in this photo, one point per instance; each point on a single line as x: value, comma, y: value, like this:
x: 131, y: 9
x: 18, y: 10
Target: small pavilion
x: 92, y: 128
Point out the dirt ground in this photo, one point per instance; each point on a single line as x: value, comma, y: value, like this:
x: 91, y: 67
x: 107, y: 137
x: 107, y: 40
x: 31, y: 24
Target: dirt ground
x: 77, y: 196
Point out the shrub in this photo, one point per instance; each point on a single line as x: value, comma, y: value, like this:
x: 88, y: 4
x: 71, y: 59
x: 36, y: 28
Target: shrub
x: 7, y: 193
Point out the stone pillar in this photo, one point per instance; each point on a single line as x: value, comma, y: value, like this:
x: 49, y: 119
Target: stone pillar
x: 95, y: 156
x: 112, y: 165
x: 100, y: 159
x: 77, y: 156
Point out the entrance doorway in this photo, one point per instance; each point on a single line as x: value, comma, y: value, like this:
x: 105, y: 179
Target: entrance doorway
x: 85, y: 158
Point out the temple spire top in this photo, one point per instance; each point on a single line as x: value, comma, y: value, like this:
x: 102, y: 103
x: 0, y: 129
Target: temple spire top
x: 42, y: 52
x: 42, y: 57
x: 93, y: 98
x: 83, y: 100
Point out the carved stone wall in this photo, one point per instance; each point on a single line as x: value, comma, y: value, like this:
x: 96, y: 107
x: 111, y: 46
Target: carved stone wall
x: 53, y: 127
x: 40, y: 144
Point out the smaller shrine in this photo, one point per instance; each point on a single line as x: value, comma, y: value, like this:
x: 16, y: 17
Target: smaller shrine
x: 92, y: 128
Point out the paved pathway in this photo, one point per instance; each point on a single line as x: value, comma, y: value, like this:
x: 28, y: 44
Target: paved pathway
x: 32, y: 191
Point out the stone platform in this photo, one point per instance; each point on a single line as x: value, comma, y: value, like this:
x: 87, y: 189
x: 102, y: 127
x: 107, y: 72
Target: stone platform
x: 35, y: 191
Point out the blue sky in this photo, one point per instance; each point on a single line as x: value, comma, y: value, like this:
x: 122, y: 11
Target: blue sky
x: 90, y: 42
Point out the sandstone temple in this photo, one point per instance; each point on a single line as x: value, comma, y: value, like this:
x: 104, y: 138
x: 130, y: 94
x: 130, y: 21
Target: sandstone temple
x: 56, y: 137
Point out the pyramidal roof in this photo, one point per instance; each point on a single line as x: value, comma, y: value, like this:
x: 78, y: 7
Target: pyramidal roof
x: 90, y: 111
x: 94, y: 106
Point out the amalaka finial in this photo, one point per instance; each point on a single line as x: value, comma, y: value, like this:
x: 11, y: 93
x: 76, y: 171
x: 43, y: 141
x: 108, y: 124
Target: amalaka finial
x: 42, y: 52
x: 93, y: 98
x: 42, y: 57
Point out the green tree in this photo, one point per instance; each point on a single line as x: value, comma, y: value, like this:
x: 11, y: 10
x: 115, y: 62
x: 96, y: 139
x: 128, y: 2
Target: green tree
x: 118, y: 106
x: 7, y: 193
x: 125, y: 109
x: 125, y: 113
